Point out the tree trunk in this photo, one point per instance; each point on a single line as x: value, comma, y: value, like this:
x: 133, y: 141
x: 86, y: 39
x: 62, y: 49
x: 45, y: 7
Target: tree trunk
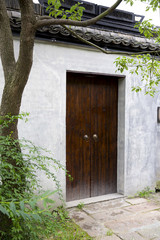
x: 15, y: 82
x: 10, y: 105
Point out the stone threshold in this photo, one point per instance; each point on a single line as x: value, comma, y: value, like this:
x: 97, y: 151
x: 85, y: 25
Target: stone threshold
x: 94, y: 199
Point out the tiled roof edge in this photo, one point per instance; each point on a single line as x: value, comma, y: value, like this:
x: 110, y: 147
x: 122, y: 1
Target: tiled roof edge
x: 93, y: 34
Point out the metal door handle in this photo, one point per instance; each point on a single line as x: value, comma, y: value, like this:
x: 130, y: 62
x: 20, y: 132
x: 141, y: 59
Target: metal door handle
x: 86, y: 137
x: 95, y: 137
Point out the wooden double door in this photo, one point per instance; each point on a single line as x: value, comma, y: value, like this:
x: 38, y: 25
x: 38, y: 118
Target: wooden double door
x: 91, y: 135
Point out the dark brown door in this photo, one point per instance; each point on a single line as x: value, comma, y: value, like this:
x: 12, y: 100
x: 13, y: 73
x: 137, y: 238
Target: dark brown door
x: 91, y: 136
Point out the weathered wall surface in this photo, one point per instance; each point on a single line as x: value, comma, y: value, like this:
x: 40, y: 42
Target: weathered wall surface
x: 45, y: 99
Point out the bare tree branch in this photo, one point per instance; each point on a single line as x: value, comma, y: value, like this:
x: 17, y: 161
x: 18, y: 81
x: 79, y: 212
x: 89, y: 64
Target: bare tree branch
x: 107, y: 51
x: 47, y: 22
x: 6, y: 42
x: 27, y: 36
x: 44, y: 17
x: 13, y: 89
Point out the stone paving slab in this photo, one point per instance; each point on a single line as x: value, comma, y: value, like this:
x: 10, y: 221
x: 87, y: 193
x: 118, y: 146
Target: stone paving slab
x: 137, y: 200
x: 79, y: 215
x: 131, y: 236
x: 133, y: 223
x: 113, y: 237
x: 93, y: 228
x: 112, y: 214
x: 87, y: 223
x: 128, y: 219
x: 143, y: 207
x: 151, y: 232
x: 102, y: 206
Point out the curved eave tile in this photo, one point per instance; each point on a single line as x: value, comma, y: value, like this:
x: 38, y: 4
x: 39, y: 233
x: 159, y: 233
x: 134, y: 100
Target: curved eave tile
x: 97, y: 35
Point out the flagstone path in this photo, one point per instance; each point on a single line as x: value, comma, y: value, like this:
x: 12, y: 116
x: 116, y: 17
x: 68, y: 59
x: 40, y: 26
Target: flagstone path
x: 120, y: 219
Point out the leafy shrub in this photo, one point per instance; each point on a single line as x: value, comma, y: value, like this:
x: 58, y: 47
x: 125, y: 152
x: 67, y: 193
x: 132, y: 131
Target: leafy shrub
x: 19, y: 212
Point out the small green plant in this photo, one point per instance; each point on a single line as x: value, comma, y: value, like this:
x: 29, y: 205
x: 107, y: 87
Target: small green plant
x: 145, y: 193
x: 80, y: 205
x: 109, y: 232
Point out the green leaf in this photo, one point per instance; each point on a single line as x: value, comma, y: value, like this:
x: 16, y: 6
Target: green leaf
x: 36, y: 217
x: 22, y: 205
x: 13, y: 208
x: 23, y: 215
x: 33, y: 203
x: 3, y: 210
x: 47, y: 194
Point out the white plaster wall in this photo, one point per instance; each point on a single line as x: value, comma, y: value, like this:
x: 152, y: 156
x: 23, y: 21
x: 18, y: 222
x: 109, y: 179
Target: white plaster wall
x: 141, y: 137
x: 45, y: 98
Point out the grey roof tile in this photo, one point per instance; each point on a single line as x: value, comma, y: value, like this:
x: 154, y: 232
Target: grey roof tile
x: 95, y: 34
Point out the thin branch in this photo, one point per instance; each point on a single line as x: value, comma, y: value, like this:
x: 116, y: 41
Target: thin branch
x: 144, y: 52
x: 6, y: 42
x: 85, y: 41
x: 48, y: 22
x: 44, y: 17
x: 103, y: 50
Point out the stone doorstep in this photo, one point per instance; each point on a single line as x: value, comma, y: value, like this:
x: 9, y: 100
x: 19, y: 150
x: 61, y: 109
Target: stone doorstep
x: 95, y: 200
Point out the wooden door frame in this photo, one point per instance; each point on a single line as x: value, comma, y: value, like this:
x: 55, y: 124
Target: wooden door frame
x: 121, y: 127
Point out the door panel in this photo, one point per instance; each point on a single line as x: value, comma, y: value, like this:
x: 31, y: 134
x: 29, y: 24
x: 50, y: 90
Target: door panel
x: 104, y: 125
x: 78, y: 125
x: 91, y: 110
